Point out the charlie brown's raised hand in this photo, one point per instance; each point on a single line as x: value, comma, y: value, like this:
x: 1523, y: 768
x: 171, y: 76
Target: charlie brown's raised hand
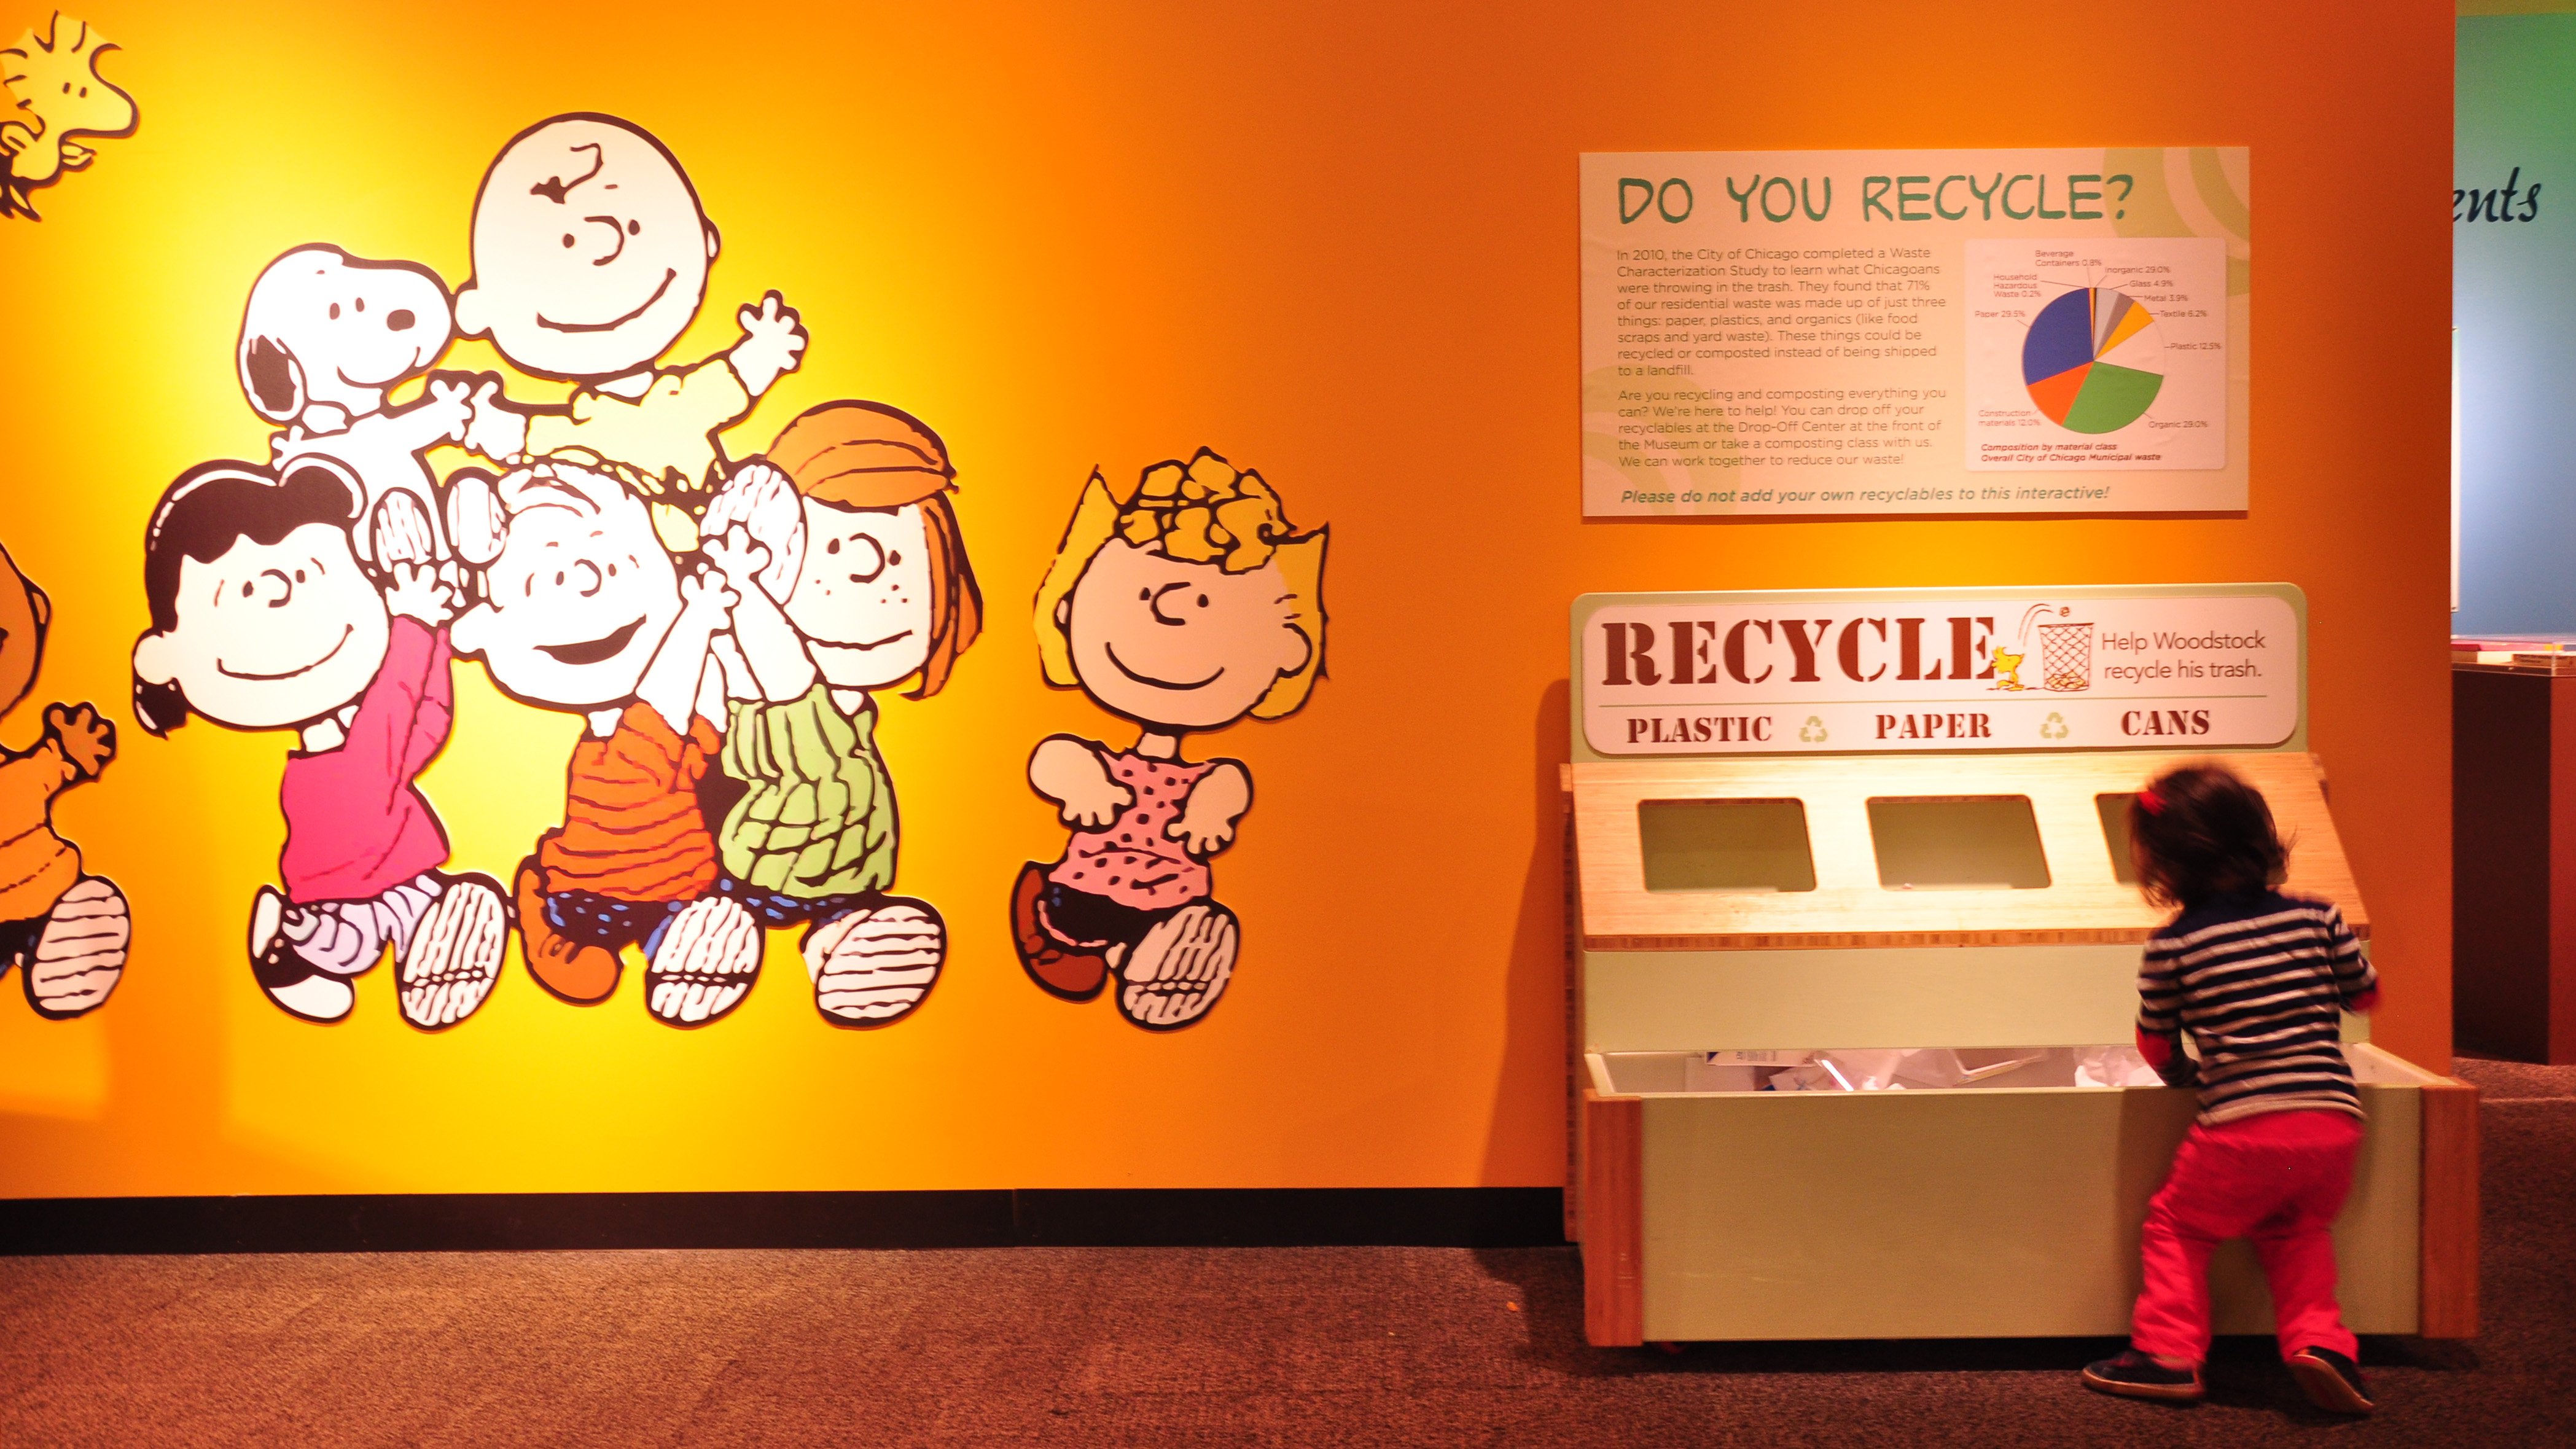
x: 87, y: 742
x: 773, y: 339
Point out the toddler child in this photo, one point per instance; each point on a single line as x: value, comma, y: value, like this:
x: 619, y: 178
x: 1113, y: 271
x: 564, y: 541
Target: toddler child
x: 2259, y: 979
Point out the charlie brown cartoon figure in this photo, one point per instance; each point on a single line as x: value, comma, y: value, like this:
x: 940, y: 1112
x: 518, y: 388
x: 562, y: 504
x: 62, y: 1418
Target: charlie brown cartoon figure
x: 262, y: 619
x: 591, y: 256
x: 582, y: 611
x: 851, y: 577
x: 66, y: 931
x: 1183, y: 603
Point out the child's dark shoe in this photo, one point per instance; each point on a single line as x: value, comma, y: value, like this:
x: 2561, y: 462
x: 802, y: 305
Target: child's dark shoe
x: 2134, y: 1375
x: 2331, y: 1381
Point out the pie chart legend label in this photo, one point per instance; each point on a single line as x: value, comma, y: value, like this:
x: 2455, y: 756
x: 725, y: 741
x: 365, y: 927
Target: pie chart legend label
x: 2097, y: 354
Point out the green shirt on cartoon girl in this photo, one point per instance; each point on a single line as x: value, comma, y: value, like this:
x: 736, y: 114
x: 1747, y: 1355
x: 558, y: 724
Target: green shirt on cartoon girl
x: 1184, y: 603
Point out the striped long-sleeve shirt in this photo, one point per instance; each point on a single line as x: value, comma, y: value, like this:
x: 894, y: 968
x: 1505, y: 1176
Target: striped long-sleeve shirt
x: 2260, y: 982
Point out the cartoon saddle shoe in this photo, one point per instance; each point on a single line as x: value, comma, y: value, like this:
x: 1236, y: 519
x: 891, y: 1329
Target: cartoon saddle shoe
x: 875, y: 964
x: 1174, y: 975
x: 702, y: 963
x: 1061, y: 968
x: 450, y: 964
x: 288, y: 979
x: 79, y: 956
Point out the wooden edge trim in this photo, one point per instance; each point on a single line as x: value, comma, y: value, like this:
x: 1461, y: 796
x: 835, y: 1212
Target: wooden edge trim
x: 1577, y: 1070
x: 2447, y: 1225
x: 1613, y: 1220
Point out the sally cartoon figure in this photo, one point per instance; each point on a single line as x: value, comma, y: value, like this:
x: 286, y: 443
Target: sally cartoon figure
x: 1184, y: 602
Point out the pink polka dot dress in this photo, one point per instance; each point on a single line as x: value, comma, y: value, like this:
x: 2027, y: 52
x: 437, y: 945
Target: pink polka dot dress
x: 1131, y: 860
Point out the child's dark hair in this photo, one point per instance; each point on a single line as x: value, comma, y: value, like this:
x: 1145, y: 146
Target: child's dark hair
x: 2201, y: 832
x: 209, y: 509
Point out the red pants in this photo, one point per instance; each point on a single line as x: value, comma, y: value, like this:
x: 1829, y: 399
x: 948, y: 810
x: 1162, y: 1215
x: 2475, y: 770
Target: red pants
x: 2279, y: 1179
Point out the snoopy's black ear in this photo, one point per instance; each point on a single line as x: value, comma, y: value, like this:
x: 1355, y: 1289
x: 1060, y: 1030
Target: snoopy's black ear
x: 272, y: 378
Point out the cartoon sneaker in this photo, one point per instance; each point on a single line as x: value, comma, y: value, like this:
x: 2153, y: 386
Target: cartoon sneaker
x: 80, y: 955
x: 297, y: 988
x: 1180, y: 968
x: 705, y: 963
x: 455, y: 955
x: 874, y: 965
x: 570, y: 970
x: 1058, y: 968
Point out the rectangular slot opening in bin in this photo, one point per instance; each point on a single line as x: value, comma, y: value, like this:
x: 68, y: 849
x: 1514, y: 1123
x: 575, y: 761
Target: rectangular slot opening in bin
x: 1873, y: 1070
x: 2115, y: 810
x: 1742, y: 846
x: 1957, y: 843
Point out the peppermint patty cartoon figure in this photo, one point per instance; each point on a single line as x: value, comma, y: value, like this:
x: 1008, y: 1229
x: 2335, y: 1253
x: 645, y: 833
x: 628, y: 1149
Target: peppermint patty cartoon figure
x: 591, y: 256
x: 851, y: 578
x: 1183, y: 603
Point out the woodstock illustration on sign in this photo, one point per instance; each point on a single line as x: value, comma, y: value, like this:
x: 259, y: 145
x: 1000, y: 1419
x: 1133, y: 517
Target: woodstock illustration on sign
x: 1721, y: 674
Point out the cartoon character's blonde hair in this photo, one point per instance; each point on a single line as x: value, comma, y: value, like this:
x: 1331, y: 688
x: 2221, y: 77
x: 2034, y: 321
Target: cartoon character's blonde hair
x: 1202, y: 511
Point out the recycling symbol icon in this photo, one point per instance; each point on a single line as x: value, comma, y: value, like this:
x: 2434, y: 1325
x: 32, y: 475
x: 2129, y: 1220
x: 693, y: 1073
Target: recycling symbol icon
x: 1813, y: 731
x: 2053, y: 727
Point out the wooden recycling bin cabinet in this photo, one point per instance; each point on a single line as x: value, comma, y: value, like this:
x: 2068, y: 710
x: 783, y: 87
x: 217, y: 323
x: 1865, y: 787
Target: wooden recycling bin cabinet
x: 1752, y: 897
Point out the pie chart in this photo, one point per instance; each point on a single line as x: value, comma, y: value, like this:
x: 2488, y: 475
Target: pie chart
x: 2093, y: 360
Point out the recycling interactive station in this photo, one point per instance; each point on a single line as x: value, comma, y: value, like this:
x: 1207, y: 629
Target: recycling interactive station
x: 1854, y: 955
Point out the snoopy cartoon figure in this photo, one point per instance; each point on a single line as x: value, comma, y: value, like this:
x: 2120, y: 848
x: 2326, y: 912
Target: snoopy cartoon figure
x: 324, y: 336
x: 57, y: 93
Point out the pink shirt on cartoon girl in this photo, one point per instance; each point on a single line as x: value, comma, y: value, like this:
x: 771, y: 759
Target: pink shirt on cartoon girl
x: 1131, y: 860
x: 356, y: 826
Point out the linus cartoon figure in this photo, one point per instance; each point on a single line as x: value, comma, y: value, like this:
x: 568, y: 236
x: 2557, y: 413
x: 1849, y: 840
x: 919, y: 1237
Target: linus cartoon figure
x: 852, y: 577
x: 261, y: 620
x: 583, y: 612
x: 56, y: 93
x: 590, y: 258
x: 1184, y: 603
x: 65, y: 931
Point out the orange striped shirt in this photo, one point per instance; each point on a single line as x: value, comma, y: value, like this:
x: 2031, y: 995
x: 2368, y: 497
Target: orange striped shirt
x: 632, y: 829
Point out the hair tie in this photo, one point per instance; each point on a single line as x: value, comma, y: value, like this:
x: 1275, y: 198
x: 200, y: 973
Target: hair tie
x: 2150, y: 801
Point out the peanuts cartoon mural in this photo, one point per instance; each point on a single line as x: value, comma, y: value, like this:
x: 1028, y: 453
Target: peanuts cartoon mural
x: 851, y: 577
x: 1184, y: 602
x: 66, y: 931
x: 583, y: 611
x: 728, y: 671
x: 263, y: 618
x: 591, y: 256
x: 56, y: 93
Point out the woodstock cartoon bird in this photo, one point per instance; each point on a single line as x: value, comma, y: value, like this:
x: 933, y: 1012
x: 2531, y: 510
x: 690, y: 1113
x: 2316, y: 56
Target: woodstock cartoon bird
x: 58, y: 94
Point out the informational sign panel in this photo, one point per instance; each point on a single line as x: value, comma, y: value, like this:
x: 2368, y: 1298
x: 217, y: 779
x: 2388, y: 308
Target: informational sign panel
x: 2160, y: 667
x: 1915, y: 332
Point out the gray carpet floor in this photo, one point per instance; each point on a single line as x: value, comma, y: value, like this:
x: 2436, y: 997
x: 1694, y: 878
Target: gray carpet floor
x: 1316, y: 1346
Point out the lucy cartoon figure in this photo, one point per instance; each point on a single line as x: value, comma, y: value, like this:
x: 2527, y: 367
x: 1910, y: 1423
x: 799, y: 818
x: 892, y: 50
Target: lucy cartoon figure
x: 57, y: 93
x: 324, y: 336
x: 262, y: 619
x: 851, y: 577
x: 1184, y: 603
x: 590, y: 258
x: 66, y: 932
x: 582, y: 611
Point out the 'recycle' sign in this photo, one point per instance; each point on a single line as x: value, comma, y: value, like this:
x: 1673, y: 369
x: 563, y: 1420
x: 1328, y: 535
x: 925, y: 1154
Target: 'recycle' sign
x: 2160, y: 667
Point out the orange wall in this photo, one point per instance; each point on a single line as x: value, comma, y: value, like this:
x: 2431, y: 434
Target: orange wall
x: 1336, y: 243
